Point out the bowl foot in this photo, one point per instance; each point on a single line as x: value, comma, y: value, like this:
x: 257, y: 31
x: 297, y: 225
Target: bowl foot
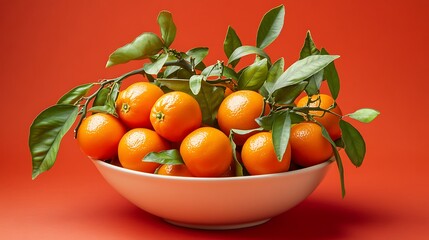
x: 218, y: 227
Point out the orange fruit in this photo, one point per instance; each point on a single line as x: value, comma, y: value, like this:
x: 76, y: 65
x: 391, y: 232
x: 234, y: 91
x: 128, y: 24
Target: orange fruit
x: 308, y: 145
x: 259, y: 157
x: 330, y: 121
x: 135, y: 102
x: 175, y: 115
x: 206, y: 152
x: 136, y: 144
x: 239, y: 111
x: 99, y: 134
x: 174, y: 170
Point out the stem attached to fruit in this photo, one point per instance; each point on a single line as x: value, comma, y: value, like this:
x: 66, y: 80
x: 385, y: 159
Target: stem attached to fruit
x: 160, y: 116
x: 125, y: 107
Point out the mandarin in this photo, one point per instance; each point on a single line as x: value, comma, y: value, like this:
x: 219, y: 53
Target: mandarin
x: 258, y: 155
x: 206, y: 152
x: 99, y: 134
x: 174, y: 170
x: 239, y: 111
x: 175, y: 114
x: 308, y: 146
x: 135, y: 103
x: 136, y: 144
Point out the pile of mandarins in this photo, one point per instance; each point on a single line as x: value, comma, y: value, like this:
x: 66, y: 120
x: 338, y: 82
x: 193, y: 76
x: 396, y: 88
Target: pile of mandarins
x: 151, y: 121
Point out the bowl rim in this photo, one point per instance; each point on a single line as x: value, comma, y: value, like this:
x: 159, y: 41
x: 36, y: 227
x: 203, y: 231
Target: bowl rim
x: 235, y: 178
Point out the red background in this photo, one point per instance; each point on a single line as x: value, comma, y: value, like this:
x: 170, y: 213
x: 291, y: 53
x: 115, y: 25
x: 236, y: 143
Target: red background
x: 48, y: 47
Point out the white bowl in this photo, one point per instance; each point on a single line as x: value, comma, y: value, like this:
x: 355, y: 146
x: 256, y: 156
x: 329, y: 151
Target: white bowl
x: 214, y: 203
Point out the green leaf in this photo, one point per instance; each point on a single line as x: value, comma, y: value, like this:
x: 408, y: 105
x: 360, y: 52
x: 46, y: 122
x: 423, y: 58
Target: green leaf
x: 340, y: 167
x: 254, y: 76
x: 171, y: 156
x: 244, y: 132
x: 109, y: 106
x: 309, y: 47
x: 314, y: 83
x: 149, y: 77
x: 156, y: 66
x: 270, y: 26
x: 216, y: 70
x: 195, y: 83
x: 103, y: 109
x: 144, y: 46
x: 339, y: 143
x: 200, y: 66
x: 46, y: 133
x: 239, y: 171
x: 198, y: 54
x: 168, y: 28
x: 231, y: 42
x: 338, y: 159
x: 281, y: 133
x: 247, y: 50
x: 287, y: 95
x: 74, y: 95
x: 296, y: 118
x: 114, y: 92
x: 354, y: 144
x: 183, y: 74
x: 302, y: 69
x: 276, y: 70
x: 365, y: 115
x: 266, y: 121
x: 331, y: 75
x: 170, y: 71
x: 101, y: 97
x: 209, y: 97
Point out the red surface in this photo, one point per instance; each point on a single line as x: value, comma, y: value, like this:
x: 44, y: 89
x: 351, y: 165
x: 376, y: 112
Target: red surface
x: 48, y: 47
